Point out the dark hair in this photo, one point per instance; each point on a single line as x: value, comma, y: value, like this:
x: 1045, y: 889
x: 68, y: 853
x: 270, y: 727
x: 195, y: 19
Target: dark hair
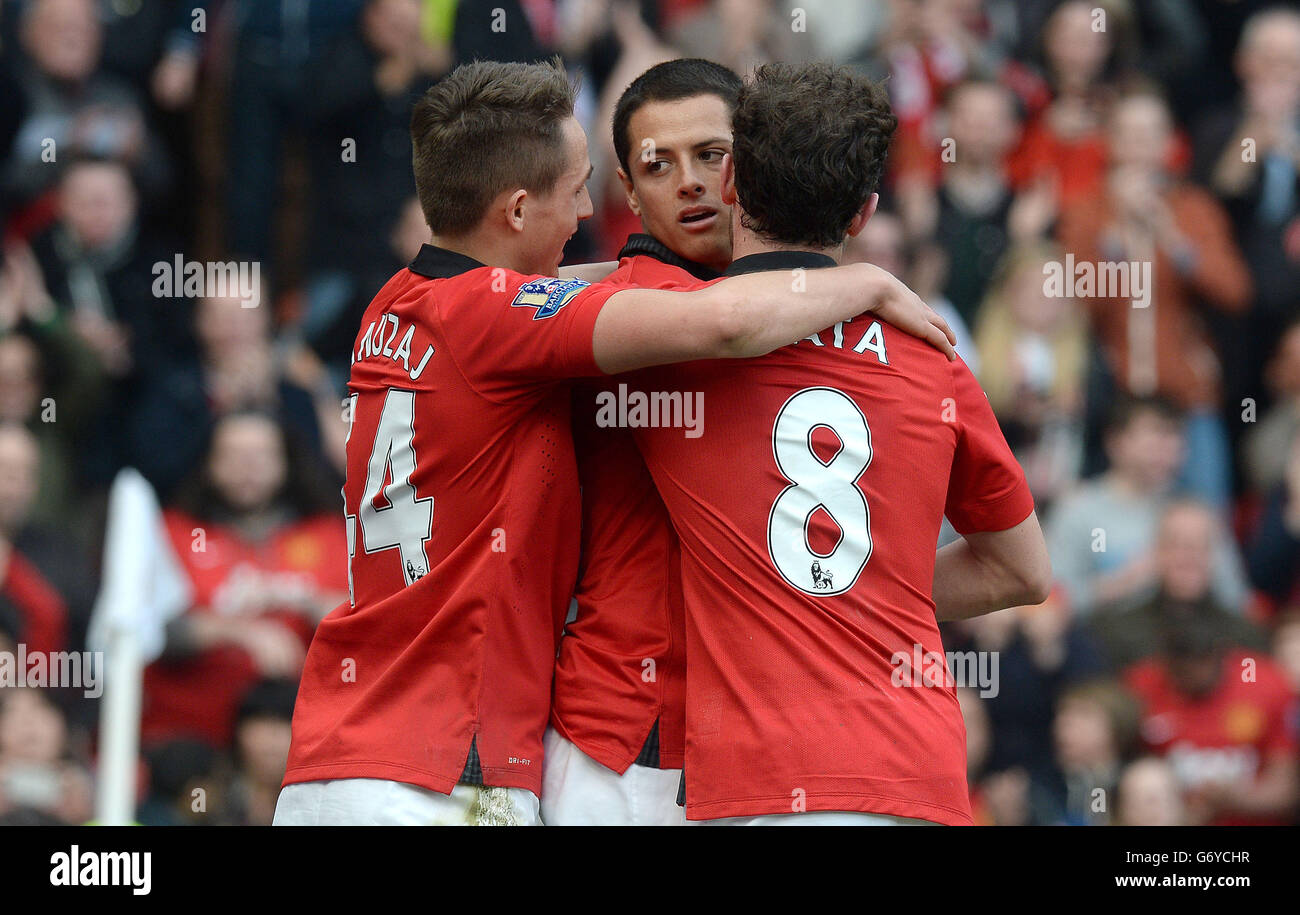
x: 686, y: 77
x: 809, y: 147
x: 305, y: 491
x: 178, y: 761
x: 269, y: 698
x: 1128, y: 408
x: 485, y: 128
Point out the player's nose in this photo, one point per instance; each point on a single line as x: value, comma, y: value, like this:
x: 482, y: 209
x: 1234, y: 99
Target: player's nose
x: 690, y: 185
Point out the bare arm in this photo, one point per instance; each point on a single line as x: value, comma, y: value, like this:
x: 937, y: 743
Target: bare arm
x: 592, y: 273
x: 991, y: 571
x: 753, y: 314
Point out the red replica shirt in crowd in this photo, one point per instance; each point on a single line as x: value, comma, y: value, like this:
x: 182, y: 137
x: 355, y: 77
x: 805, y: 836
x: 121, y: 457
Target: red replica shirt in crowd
x: 462, y: 514
x: 42, y: 614
x: 298, y: 564
x: 1226, y: 736
x: 621, y: 666
x: 808, y: 512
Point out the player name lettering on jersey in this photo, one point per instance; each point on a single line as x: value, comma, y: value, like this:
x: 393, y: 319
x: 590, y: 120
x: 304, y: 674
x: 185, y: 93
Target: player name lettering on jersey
x: 872, y: 341
x: 378, y: 341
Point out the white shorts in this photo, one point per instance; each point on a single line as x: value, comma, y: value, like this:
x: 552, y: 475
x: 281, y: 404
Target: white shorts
x: 817, y: 818
x: 380, y: 802
x: 578, y: 791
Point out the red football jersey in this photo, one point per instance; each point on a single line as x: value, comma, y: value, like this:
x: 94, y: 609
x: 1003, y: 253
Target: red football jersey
x: 1226, y: 736
x: 809, y: 512
x: 298, y: 563
x: 621, y: 666
x: 461, y: 508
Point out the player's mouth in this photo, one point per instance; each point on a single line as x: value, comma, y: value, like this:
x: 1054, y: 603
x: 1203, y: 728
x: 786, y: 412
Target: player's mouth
x: 697, y: 219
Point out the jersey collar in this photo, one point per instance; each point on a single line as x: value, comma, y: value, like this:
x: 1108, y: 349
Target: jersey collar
x: 648, y: 245
x: 779, y: 260
x: 440, y: 264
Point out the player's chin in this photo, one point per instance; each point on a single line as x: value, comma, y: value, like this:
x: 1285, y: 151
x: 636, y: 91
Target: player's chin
x: 702, y: 248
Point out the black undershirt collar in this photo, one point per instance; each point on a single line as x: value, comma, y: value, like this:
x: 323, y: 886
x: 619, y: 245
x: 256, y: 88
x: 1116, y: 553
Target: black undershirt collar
x: 440, y: 264
x: 779, y: 260
x: 640, y: 243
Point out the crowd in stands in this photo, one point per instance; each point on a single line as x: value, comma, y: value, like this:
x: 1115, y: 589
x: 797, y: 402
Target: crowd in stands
x: 1159, y: 427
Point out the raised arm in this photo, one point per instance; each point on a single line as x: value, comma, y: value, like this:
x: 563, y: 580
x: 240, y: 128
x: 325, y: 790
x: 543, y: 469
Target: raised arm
x: 991, y: 571
x: 753, y: 314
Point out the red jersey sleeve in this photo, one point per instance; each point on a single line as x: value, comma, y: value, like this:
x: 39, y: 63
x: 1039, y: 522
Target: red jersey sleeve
x: 507, y: 329
x: 987, y: 490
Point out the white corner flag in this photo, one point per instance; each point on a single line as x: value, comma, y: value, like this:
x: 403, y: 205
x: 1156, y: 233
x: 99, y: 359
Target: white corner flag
x: 142, y: 589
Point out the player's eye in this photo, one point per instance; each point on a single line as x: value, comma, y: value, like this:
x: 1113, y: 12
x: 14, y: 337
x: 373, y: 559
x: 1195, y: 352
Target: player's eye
x: 712, y: 155
x: 657, y: 166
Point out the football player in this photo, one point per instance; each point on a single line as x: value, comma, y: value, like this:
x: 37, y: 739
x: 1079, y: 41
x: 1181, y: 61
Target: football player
x: 809, y: 508
x: 425, y: 697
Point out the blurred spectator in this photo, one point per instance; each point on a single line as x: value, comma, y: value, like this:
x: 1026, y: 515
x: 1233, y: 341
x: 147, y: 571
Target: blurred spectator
x: 98, y: 268
x: 360, y: 153
x: 274, y: 43
x: 1248, y: 153
x: 1039, y: 653
x: 262, y: 732
x: 188, y: 782
x: 1063, y: 148
x: 1267, y: 445
x: 1102, y: 536
x: 330, y: 327
x: 1034, y: 353
x: 1094, y: 731
x: 522, y: 30
x: 264, y: 549
x: 21, y: 387
x: 37, y: 772
x: 1148, y: 795
x: 883, y: 242
x: 1273, y: 553
x: 1178, y: 238
x: 740, y: 34
x: 359, y: 112
x: 72, y: 104
x: 1182, y: 562
x: 926, y: 51
x: 46, y: 578
x: 1286, y: 646
x: 238, y: 368
x: 1225, y: 720
x: 972, y: 216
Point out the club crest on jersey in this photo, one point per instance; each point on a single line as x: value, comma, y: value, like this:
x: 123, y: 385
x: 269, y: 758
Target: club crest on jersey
x: 547, y: 296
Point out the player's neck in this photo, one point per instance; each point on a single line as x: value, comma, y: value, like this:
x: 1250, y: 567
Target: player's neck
x: 744, y: 243
x: 486, y: 250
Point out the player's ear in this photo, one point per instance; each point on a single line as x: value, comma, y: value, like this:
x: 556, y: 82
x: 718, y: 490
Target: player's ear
x: 728, y: 180
x: 514, y: 209
x: 629, y: 190
x: 860, y: 218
